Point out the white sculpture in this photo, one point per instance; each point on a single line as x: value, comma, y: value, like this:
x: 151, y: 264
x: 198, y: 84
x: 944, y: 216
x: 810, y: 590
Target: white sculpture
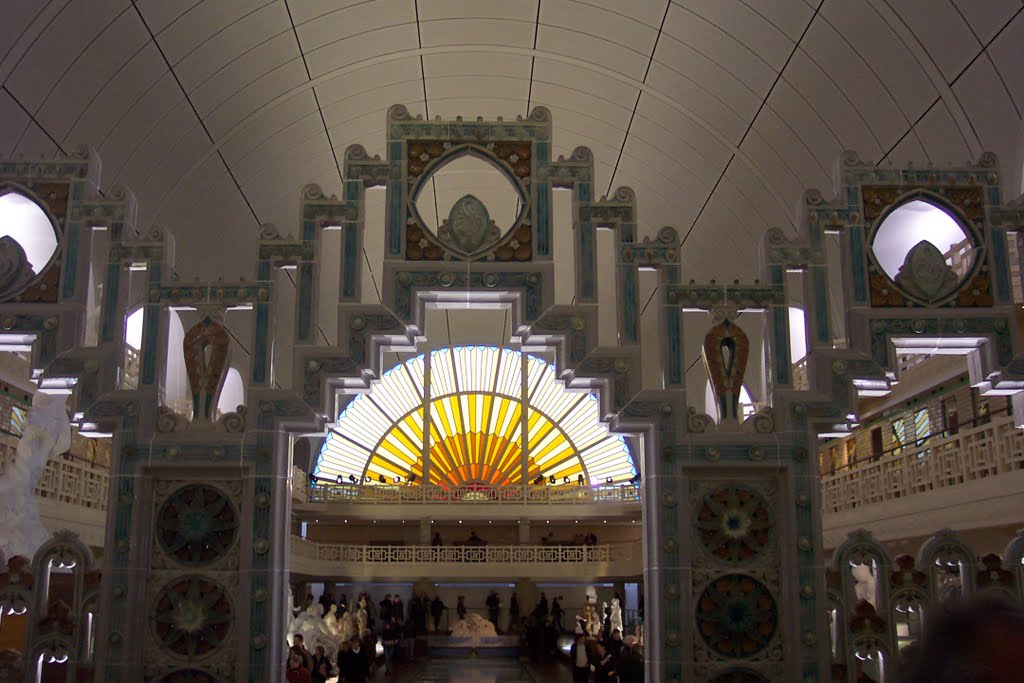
x: 616, y: 618
x: 865, y: 586
x: 473, y: 626
x: 47, y: 433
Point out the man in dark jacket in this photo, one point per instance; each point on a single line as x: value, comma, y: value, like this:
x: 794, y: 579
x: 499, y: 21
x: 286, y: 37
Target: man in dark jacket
x: 436, y: 610
x: 354, y: 664
x: 579, y: 659
x: 630, y: 668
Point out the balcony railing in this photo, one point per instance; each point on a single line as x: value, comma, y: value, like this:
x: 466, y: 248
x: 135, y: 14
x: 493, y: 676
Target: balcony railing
x: 970, y: 455
x: 67, y: 480
x: 499, y: 554
x: 321, y: 492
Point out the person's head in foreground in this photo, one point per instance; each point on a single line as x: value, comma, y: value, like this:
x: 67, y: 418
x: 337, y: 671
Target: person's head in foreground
x: 976, y: 640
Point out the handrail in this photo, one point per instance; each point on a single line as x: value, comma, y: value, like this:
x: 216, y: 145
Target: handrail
x: 990, y: 449
x: 72, y: 481
x: 322, y: 492
x: 426, y: 554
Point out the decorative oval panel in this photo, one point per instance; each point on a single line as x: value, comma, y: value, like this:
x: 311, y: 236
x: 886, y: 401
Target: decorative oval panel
x: 466, y: 207
x: 28, y: 242
x: 924, y: 251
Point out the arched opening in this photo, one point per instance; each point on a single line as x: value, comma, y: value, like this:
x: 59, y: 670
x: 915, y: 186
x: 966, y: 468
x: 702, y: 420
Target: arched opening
x: 480, y: 417
x: 468, y: 174
x: 233, y: 393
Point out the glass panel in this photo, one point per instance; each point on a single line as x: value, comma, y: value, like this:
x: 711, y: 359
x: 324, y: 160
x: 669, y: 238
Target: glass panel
x: 475, y: 434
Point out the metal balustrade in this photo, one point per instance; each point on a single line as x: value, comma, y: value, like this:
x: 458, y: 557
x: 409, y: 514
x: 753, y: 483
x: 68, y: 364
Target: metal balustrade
x: 970, y: 455
x: 321, y: 492
x: 499, y: 554
x: 67, y: 480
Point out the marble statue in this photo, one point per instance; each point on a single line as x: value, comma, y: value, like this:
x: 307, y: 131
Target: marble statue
x: 616, y: 617
x: 865, y: 586
x: 473, y: 626
x: 361, y: 616
x: 47, y: 433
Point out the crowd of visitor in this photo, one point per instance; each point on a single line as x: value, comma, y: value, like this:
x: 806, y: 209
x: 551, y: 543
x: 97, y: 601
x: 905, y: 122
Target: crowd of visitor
x: 606, y: 658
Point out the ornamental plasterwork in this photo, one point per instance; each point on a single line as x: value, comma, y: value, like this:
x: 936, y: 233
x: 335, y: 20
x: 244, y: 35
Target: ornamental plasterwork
x: 734, y: 523
x: 228, y: 555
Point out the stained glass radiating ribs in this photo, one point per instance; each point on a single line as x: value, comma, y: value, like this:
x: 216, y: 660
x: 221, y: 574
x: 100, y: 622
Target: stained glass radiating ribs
x: 475, y: 425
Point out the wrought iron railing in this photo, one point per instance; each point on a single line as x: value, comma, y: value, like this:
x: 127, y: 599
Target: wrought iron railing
x: 941, y: 462
x: 321, y: 492
x: 498, y: 554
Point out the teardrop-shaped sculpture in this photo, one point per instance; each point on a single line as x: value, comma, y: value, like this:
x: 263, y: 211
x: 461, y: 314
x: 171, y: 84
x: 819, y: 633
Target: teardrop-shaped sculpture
x: 207, y: 349
x: 726, y: 348
x: 925, y: 273
x: 469, y: 227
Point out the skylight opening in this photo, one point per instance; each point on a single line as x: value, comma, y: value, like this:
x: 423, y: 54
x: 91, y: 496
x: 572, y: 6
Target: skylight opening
x: 25, y: 222
x: 468, y: 175
x: 913, y: 222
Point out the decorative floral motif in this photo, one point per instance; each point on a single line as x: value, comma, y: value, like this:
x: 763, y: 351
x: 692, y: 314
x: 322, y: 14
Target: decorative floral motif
x: 192, y: 616
x: 197, y: 524
x: 737, y: 616
x: 733, y: 524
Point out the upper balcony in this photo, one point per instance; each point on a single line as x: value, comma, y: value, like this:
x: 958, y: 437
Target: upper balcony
x: 454, y: 562
x: 386, y: 502
x: 969, y: 480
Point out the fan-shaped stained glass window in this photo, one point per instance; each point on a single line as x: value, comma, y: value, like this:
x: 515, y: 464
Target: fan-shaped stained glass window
x: 484, y: 415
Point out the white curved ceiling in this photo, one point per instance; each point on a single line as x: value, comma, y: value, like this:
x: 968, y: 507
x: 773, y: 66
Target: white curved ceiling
x: 719, y: 113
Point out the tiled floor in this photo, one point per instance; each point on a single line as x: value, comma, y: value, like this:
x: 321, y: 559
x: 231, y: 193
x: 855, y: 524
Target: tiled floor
x: 476, y: 670
x: 473, y: 670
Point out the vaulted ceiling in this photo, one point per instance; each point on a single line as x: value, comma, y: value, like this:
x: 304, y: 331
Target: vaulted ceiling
x: 719, y: 113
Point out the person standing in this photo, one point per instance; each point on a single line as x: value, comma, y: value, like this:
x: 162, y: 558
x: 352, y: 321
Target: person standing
x: 297, y: 673
x: 630, y: 667
x: 494, y: 608
x: 321, y: 666
x: 436, y: 610
x: 389, y: 639
x: 355, y: 666
x: 460, y: 608
x: 513, y: 612
x: 398, y: 608
x: 556, y: 613
x: 299, y: 648
x: 542, y: 606
x: 580, y: 660
x: 385, y: 609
